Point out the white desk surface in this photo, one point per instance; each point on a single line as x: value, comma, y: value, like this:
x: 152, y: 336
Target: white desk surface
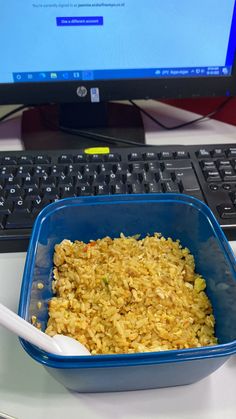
x: 27, y: 391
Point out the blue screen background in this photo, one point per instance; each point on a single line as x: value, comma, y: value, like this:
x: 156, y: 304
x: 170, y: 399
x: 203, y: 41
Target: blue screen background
x: 134, y: 35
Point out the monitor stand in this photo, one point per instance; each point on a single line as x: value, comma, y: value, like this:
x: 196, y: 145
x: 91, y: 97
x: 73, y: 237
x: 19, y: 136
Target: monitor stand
x: 40, y: 125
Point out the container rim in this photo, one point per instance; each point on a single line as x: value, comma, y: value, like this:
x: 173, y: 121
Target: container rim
x: 133, y: 359
x: 117, y: 360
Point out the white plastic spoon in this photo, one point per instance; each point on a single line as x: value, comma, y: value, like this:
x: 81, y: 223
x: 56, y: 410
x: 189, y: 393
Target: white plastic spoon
x: 58, y: 344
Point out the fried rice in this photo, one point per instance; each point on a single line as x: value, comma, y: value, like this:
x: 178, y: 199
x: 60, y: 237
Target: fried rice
x: 127, y: 295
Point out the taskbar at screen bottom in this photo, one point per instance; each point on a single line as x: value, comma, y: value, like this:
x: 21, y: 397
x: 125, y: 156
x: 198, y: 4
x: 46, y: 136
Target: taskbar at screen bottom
x: 72, y: 75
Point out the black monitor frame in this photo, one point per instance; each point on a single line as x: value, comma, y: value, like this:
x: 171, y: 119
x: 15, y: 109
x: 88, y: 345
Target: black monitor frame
x: 126, y: 124
x: 122, y: 89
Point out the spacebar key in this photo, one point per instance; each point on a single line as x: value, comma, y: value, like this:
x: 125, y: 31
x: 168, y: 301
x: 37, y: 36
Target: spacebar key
x: 19, y: 220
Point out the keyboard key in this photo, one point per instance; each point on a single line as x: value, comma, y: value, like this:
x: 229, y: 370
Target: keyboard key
x: 150, y: 156
x: 122, y: 168
x: 203, y: 153
x: 40, y: 171
x: 15, y: 193
x: 148, y: 177
x: 137, y: 167
x: 181, y: 154
x: 195, y: 194
x: 13, y: 182
x: 227, y: 186
x: 2, y: 221
x: 35, y: 212
x: 208, y: 165
x: 212, y: 176
x: 228, y: 175
x: 25, y: 160
x: 24, y: 171
x: 65, y: 158
x: 38, y: 204
x: 42, y: 159
x: 227, y: 211
x: 177, y: 165
x: 9, y: 160
x: 98, y: 179
x: 22, y: 206
x: 50, y: 192
x: 132, y: 178
x: 7, y: 171
x: 154, y: 188
x: 85, y: 190
x: 112, y: 157
x: 137, y: 188
x: 231, y: 152
x: 66, y: 191
x: 80, y: 158
x: 75, y: 170
x: 233, y: 198
x: 166, y: 155
x: 90, y: 169
x: 30, y: 181
x: 187, y: 180
x: 171, y: 187
x: 153, y: 167
x: 58, y: 170
x: 106, y: 168
x: 119, y: 188
x: 218, y: 152
x: 135, y: 157
x: 65, y: 181
x: 81, y: 179
x: 5, y: 206
x: 115, y: 178
x: 165, y: 175
x: 224, y: 165
x: 102, y: 190
x: 48, y: 181
x: 31, y: 192
x: 19, y: 220
x: 96, y: 158
x: 214, y: 187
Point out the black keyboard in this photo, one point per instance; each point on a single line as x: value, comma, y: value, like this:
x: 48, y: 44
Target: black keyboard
x: 30, y: 180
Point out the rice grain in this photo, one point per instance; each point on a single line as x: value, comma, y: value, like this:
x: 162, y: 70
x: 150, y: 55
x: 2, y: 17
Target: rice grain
x: 127, y: 295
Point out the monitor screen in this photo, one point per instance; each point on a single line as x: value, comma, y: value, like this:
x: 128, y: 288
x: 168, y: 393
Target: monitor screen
x: 90, y: 50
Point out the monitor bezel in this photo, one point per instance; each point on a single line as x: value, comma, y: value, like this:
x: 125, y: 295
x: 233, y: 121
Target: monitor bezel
x: 118, y: 89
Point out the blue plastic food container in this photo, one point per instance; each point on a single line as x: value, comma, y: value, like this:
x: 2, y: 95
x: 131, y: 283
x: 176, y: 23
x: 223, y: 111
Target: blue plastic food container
x: 89, y: 218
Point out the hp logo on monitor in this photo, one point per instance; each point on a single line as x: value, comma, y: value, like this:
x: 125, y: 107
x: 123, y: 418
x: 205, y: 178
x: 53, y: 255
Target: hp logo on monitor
x: 82, y: 91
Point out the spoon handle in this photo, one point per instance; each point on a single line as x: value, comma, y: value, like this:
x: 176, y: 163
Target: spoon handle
x: 27, y: 331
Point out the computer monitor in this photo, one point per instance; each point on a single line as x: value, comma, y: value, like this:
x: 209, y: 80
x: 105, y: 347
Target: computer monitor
x: 60, y: 51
